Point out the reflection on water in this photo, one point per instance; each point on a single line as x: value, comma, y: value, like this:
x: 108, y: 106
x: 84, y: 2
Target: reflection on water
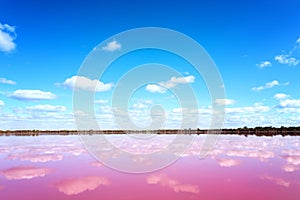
x: 74, y: 186
x: 58, y: 167
x: 21, y: 172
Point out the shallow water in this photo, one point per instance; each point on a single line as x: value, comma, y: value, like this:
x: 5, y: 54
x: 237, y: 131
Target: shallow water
x: 238, y: 167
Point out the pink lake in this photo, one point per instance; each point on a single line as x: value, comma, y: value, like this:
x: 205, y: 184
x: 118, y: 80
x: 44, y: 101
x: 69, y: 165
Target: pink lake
x: 238, y: 167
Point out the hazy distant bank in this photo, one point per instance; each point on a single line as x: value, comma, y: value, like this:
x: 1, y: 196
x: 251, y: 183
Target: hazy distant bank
x: 258, y: 131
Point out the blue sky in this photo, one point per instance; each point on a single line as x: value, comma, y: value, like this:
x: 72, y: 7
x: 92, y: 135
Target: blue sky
x: 255, y: 45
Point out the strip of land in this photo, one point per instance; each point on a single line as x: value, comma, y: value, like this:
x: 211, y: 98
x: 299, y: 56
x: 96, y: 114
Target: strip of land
x: 258, y: 131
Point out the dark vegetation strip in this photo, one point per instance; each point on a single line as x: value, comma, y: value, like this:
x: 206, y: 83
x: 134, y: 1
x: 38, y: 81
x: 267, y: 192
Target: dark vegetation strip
x: 258, y: 131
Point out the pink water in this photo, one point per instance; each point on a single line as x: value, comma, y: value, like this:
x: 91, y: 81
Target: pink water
x: 58, y: 167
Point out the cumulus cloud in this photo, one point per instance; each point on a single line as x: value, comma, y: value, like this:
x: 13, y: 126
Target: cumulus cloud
x: 173, y: 82
x: 112, y: 46
x: 287, y: 105
x: 269, y: 85
x: 2, y: 103
x: 153, y: 88
x: 32, y: 95
x: 46, y: 108
x: 176, y: 186
x: 6, y: 81
x: 7, y: 37
x: 281, y: 96
x: 18, y: 173
x: 264, y: 64
x: 75, y: 186
x: 290, y: 103
x: 84, y: 83
x: 224, y: 101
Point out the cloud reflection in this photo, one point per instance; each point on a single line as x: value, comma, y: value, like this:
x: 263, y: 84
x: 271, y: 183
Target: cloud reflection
x: 35, y: 158
x: 75, y: 186
x: 227, y: 162
x: 261, y: 155
x: 176, y: 186
x: 276, y: 180
x: 96, y: 164
x: 289, y: 168
x: 41, y: 149
x: 294, y: 160
x: 18, y: 173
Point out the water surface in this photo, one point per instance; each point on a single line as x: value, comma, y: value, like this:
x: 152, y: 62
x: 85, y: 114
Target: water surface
x: 59, y: 167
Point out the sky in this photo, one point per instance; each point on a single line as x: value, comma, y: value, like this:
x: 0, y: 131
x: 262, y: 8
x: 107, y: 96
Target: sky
x: 255, y: 46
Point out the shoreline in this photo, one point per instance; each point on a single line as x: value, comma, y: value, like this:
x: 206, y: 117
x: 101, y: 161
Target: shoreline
x: 258, y: 131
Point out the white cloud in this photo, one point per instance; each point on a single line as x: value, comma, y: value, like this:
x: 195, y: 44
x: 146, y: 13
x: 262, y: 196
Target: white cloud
x: 286, y: 59
x: 101, y: 101
x: 264, y: 64
x: 32, y: 95
x: 7, y: 37
x: 290, y: 103
x: 84, y: 83
x: 148, y: 101
x: 281, y: 96
x: 177, y: 110
x: 286, y: 104
x: 112, y: 46
x: 256, y: 108
x: 266, y: 86
x: 290, y: 110
x: 224, y: 101
x: 139, y: 105
x: 155, y: 88
x: 173, y: 82
x: 295, y: 119
x: 2, y: 103
x: 6, y: 81
x: 105, y: 109
x: 292, y: 57
x: 46, y: 108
